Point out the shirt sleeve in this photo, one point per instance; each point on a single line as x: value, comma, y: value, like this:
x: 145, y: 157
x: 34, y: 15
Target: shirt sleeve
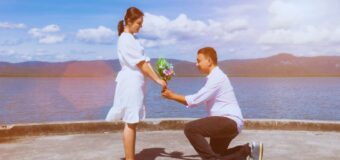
x: 207, y: 92
x: 134, y: 52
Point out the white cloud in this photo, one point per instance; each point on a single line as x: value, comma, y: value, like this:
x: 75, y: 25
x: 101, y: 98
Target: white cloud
x: 266, y: 48
x: 41, y: 52
x: 26, y: 57
x: 241, y: 9
x: 47, y: 34
x: 15, y: 54
x: 7, y: 52
x: 100, y: 57
x: 302, y: 22
x: 11, y: 42
x: 163, y: 31
x: 50, y: 39
x: 50, y: 28
x: 96, y: 35
x: 284, y: 14
x: 306, y: 35
x: 227, y: 31
x: 182, y: 26
x: 335, y: 36
x: 156, y: 43
x: 61, y: 57
x: 155, y: 26
x: 41, y: 32
x: 292, y: 13
x: 7, y: 25
x: 35, y: 32
x: 185, y: 26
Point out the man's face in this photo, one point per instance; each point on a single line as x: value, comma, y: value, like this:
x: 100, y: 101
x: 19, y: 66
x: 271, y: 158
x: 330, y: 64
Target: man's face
x: 203, y: 63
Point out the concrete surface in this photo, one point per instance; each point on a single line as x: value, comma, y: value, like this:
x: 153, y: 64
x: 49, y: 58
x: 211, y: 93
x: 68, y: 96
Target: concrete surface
x: 53, y: 128
x: 166, y: 145
x: 163, y: 139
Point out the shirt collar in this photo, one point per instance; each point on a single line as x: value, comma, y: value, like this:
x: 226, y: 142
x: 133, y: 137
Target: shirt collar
x: 213, y: 72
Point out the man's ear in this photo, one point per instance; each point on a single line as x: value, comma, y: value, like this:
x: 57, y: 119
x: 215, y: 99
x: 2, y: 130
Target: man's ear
x: 210, y: 61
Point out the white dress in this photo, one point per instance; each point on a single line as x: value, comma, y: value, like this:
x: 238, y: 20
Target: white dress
x: 128, y: 103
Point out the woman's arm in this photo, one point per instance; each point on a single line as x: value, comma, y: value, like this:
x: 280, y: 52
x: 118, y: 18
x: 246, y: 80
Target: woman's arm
x: 146, y: 68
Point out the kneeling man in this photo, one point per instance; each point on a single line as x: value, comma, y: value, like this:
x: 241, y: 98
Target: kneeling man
x: 225, y: 119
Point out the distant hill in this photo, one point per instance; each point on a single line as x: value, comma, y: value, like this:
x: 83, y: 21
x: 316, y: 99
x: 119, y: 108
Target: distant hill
x: 60, y: 69
x: 283, y: 64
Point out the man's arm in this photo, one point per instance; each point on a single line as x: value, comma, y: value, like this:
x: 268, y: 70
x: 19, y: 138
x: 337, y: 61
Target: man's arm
x: 173, y: 96
x: 208, y: 91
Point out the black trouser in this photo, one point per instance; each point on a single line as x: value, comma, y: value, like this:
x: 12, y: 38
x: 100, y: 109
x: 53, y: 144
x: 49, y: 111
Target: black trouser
x: 221, y: 131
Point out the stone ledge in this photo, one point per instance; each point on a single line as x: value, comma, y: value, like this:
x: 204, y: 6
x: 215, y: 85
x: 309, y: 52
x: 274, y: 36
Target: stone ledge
x: 60, y: 128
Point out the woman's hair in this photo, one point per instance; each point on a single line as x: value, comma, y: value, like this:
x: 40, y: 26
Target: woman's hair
x: 209, y: 52
x: 131, y: 15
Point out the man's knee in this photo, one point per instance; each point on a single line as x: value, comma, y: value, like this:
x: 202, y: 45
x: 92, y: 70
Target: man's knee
x: 189, y: 128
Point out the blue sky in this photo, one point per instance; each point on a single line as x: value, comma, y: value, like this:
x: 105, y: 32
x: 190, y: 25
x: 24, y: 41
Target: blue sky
x: 63, y: 30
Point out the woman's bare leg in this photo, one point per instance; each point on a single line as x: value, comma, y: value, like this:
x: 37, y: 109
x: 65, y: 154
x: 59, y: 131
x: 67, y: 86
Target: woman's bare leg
x: 129, y: 138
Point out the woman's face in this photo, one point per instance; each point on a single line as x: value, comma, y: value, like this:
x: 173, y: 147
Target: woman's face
x: 136, y: 25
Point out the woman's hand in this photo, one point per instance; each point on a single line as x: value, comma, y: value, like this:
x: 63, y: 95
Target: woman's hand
x: 162, y: 83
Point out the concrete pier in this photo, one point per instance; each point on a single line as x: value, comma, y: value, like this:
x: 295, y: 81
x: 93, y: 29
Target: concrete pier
x: 163, y: 139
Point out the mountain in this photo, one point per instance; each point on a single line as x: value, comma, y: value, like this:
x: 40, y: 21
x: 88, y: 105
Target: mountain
x: 282, y: 64
x: 60, y: 69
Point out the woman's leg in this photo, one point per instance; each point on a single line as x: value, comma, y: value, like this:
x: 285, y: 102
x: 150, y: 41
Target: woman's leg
x: 129, y: 138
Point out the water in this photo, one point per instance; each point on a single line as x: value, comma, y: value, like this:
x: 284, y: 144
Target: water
x: 26, y: 100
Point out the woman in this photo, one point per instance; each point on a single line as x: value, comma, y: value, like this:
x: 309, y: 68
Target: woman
x: 130, y: 89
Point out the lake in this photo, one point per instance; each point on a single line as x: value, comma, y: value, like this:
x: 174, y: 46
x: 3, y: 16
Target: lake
x: 27, y: 100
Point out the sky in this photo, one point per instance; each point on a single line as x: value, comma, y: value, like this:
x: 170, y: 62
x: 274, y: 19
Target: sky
x: 65, y: 30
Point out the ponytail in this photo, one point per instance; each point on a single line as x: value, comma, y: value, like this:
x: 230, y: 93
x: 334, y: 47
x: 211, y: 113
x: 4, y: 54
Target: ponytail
x: 120, y: 27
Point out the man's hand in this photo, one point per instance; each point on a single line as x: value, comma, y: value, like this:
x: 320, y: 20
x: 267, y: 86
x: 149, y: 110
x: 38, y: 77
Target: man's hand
x: 167, y: 94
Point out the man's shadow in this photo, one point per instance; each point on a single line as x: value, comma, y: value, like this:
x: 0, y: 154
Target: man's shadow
x: 153, y: 153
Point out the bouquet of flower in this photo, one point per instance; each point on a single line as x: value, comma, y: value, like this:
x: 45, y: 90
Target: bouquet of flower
x: 164, y: 69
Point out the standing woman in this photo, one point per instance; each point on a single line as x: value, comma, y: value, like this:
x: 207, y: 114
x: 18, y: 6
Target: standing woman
x: 128, y: 102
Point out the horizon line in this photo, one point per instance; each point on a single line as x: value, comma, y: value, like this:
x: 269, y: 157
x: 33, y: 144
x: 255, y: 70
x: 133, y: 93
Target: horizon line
x: 287, y: 54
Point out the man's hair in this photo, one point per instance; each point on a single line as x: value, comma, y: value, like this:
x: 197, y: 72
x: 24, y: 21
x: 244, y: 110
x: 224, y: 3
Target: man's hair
x: 209, y: 52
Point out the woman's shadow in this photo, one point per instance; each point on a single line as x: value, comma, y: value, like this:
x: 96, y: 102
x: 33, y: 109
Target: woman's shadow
x: 153, y: 153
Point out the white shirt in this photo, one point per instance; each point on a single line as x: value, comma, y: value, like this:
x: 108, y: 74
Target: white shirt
x: 219, y: 97
x: 130, y: 52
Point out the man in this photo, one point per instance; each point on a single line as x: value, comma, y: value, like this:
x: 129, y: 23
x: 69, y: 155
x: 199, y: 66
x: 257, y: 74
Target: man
x: 225, y: 119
